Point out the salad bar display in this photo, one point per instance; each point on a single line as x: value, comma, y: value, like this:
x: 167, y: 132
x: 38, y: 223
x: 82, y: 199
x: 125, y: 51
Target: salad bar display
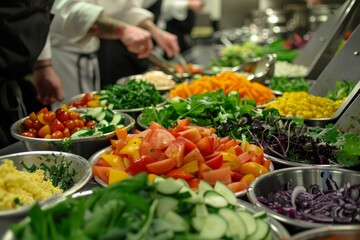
x: 190, y: 156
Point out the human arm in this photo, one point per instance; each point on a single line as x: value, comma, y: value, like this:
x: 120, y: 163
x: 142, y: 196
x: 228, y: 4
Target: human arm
x: 77, y: 22
x: 165, y: 40
x: 47, y: 83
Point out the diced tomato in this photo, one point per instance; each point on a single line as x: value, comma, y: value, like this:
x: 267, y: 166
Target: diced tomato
x: 231, y: 143
x: 222, y: 175
x: 244, y: 157
x: 161, y: 139
x: 43, y: 111
x: 162, y: 166
x: 87, y: 97
x: 205, y: 146
x: 203, y: 168
x: 183, y: 122
x: 216, y: 162
x: 189, y: 145
x: 155, y: 125
x: 176, y: 150
x: 224, y: 140
x: 141, y: 134
x: 139, y: 165
x: 237, y: 186
x: 236, y: 177
x: 120, y: 144
x: 194, y: 183
x: 193, y: 134
x: 102, y: 163
x: 178, y: 173
x: 147, y: 149
x: 238, y: 150
x: 102, y: 173
x: 204, y: 131
x: 194, y: 155
x: 215, y: 140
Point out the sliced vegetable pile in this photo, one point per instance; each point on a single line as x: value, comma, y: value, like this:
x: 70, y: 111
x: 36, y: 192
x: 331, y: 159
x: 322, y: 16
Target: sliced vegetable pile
x: 133, y: 94
x: 228, y: 81
x: 293, y: 141
x: 304, y: 105
x: 208, y: 109
x: 342, y: 90
x: 134, y: 209
x: 67, y: 123
x: 187, y: 152
x: 285, y: 84
x: 329, y: 205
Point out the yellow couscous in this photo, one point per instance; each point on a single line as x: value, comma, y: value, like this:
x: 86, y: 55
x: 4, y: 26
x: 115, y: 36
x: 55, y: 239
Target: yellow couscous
x: 22, y: 188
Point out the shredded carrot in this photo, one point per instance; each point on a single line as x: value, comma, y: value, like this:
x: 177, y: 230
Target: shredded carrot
x: 228, y: 81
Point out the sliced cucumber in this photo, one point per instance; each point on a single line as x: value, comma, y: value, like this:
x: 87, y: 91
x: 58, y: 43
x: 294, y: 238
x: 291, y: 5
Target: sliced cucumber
x: 169, y: 186
x: 236, y: 227
x: 262, y: 230
x: 166, y: 204
x: 204, y: 186
x: 198, y: 223
x: 106, y: 129
x: 178, y: 223
x: 201, y: 210
x: 224, y: 190
x: 189, y: 196
x: 102, y: 123
x: 94, y: 112
x: 109, y: 115
x: 100, y: 116
x: 83, y: 133
x: 215, y: 199
x: 260, y: 214
x: 214, y: 227
x: 249, y: 221
x: 117, y: 120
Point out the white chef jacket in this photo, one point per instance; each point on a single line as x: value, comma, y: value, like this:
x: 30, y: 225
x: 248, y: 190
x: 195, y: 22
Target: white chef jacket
x: 73, y: 51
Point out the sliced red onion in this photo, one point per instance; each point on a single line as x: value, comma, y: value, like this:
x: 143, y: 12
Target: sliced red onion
x: 297, y: 190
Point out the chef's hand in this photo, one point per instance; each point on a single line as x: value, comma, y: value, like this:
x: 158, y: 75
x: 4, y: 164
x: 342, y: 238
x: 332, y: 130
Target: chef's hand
x: 47, y: 83
x: 137, y: 40
x: 167, y: 41
x: 195, y: 5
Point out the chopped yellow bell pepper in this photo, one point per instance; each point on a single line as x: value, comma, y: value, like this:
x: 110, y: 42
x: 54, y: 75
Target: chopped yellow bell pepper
x: 116, y: 175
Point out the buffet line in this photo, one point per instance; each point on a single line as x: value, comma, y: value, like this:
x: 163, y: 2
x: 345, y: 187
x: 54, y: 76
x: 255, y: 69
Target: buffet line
x: 236, y: 149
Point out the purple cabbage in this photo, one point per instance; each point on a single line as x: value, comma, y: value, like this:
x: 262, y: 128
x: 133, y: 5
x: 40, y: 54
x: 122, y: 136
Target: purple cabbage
x: 331, y: 205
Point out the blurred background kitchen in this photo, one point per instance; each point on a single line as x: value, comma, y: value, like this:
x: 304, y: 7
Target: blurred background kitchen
x: 277, y: 16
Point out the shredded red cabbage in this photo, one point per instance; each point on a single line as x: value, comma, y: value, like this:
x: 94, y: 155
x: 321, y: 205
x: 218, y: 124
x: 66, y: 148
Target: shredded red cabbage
x: 330, y: 205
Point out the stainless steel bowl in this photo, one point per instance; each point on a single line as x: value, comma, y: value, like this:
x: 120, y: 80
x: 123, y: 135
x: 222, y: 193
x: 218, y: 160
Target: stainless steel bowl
x: 80, y: 164
x: 84, y: 146
x: 303, y: 176
x: 330, y: 233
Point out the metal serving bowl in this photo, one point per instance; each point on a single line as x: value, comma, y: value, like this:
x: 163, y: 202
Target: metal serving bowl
x: 80, y: 164
x: 330, y: 232
x: 300, y: 176
x: 84, y: 146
